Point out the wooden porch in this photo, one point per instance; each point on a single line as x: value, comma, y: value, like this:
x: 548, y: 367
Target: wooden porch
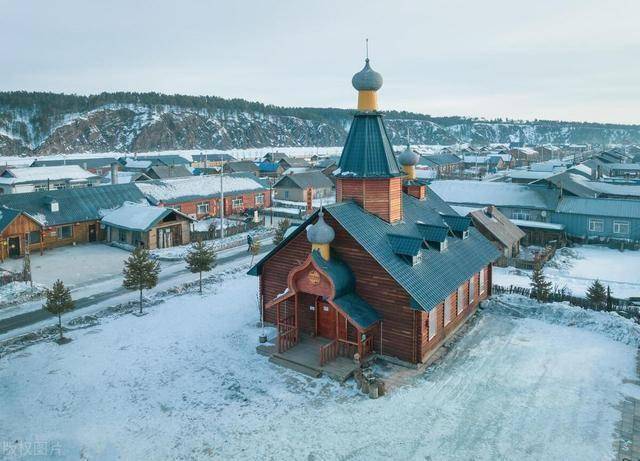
x: 307, y: 357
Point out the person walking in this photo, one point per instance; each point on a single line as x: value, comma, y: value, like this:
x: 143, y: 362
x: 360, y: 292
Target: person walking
x: 249, y: 242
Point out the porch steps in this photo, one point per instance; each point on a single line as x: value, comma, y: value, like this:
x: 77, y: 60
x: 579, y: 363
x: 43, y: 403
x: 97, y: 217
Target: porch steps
x: 300, y: 368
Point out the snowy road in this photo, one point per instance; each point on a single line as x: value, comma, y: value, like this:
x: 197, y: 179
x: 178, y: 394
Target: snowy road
x: 185, y: 382
x: 23, y: 316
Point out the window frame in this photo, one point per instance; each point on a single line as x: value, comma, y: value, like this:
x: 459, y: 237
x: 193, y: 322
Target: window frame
x: 460, y: 305
x: 259, y: 199
x: 483, y: 280
x: 234, y: 203
x: 205, y: 205
x: 448, y: 308
x: 596, y: 221
x: 472, y: 290
x: 433, y: 323
x: 60, y: 231
x: 520, y: 214
x: 619, y: 224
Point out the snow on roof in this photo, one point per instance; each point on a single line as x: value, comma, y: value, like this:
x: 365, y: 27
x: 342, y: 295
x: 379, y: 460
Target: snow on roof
x: 537, y: 224
x: 182, y: 189
x: 142, y: 164
x: 44, y: 173
x: 465, y: 210
x: 492, y: 193
x: 528, y: 174
x: 134, y: 216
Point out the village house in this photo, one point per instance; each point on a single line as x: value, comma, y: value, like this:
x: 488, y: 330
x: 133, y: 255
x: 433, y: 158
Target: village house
x: 389, y: 268
x: 242, y: 166
x: 18, y: 180
x: 498, y: 229
x: 97, y: 165
x: 199, y: 196
x: 19, y: 233
x: 146, y: 226
x: 444, y: 164
x: 296, y: 186
x: 63, y: 217
x: 270, y: 169
x: 204, y: 161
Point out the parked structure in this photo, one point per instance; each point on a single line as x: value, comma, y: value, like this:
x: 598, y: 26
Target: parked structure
x: 389, y: 268
x: 18, y: 180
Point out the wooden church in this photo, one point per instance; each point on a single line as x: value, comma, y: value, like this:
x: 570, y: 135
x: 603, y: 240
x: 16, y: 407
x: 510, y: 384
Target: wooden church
x: 389, y: 268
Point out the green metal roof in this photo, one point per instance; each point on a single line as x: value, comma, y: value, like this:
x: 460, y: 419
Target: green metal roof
x: 439, y: 273
x: 337, y: 271
x: 75, y: 205
x: 7, y: 216
x: 358, y: 310
x: 405, y: 245
x: 457, y: 223
x: 618, y: 208
x: 368, y: 152
x: 433, y: 233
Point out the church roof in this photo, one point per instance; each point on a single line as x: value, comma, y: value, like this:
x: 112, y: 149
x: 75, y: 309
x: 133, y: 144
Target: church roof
x: 367, y: 152
x: 438, y: 274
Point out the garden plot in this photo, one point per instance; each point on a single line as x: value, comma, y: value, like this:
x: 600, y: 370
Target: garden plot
x: 576, y: 268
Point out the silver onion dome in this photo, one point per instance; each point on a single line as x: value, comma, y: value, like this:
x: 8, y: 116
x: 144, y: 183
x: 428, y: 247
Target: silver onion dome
x: 320, y: 232
x: 367, y: 79
x: 408, y: 157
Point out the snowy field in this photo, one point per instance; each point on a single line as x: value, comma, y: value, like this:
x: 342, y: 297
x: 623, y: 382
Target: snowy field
x: 74, y: 265
x: 185, y: 382
x: 577, y: 267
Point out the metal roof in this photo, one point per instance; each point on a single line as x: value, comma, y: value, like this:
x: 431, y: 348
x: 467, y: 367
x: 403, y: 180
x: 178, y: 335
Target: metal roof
x: 357, y: 309
x: 432, y: 233
x: 456, y: 222
x: 314, y: 179
x: 618, y: 208
x: 497, y: 225
x: 367, y: 152
x: 405, y: 245
x: 7, y: 216
x: 439, y: 273
x: 367, y: 79
x: 75, y: 205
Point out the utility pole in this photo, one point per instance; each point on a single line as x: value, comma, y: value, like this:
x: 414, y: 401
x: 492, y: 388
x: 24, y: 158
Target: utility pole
x: 221, y: 203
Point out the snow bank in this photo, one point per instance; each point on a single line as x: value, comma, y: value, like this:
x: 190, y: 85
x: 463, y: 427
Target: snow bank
x: 608, y: 324
x: 19, y: 292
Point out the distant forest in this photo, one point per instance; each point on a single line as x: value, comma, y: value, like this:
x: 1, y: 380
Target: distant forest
x: 52, y: 105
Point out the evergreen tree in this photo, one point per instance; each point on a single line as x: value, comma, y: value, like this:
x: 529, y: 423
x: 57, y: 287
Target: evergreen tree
x: 255, y: 249
x: 140, y: 272
x: 200, y: 258
x: 281, y: 230
x: 609, y: 299
x: 597, y: 294
x: 58, y: 302
x: 540, y: 286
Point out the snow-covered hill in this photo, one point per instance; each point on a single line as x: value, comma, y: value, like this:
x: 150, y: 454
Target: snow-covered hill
x: 43, y: 124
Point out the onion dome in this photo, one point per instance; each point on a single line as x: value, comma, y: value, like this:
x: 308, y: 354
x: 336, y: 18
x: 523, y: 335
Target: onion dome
x: 367, y: 79
x: 408, y: 157
x: 320, y: 233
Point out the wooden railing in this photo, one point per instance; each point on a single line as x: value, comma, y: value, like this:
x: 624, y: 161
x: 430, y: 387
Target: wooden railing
x: 328, y: 352
x: 287, y: 337
x: 367, y: 346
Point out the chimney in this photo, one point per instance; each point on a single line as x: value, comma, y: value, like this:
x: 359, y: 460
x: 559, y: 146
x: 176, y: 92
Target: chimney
x: 114, y: 173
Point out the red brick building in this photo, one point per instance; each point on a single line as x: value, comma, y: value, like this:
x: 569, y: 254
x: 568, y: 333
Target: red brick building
x: 199, y: 196
x: 389, y: 268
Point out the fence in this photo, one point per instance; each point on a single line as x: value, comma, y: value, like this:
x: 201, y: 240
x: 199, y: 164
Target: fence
x: 234, y: 226
x: 529, y: 264
x: 619, y: 305
x: 8, y: 277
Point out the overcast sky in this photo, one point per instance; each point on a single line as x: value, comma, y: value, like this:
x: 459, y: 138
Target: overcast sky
x: 569, y: 60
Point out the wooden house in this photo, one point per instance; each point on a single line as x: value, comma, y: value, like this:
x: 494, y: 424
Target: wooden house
x: 389, y: 268
x: 295, y: 187
x: 19, y: 232
x: 242, y: 166
x: 146, y: 226
x: 498, y: 229
x: 70, y: 216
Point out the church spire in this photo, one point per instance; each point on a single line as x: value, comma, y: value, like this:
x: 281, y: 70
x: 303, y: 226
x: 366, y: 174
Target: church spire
x: 367, y: 82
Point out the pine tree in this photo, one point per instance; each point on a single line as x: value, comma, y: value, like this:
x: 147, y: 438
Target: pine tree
x: 140, y: 272
x: 200, y: 258
x: 58, y: 302
x: 609, y: 299
x: 255, y: 249
x: 281, y: 230
x: 540, y: 286
x: 597, y: 294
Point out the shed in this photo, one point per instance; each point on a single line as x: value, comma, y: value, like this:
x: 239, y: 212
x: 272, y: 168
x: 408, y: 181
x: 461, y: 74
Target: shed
x: 294, y: 187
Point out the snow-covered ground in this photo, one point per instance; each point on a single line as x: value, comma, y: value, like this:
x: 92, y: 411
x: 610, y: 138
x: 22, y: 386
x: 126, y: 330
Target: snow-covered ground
x: 17, y: 292
x: 576, y: 268
x: 74, y: 265
x: 185, y: 382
